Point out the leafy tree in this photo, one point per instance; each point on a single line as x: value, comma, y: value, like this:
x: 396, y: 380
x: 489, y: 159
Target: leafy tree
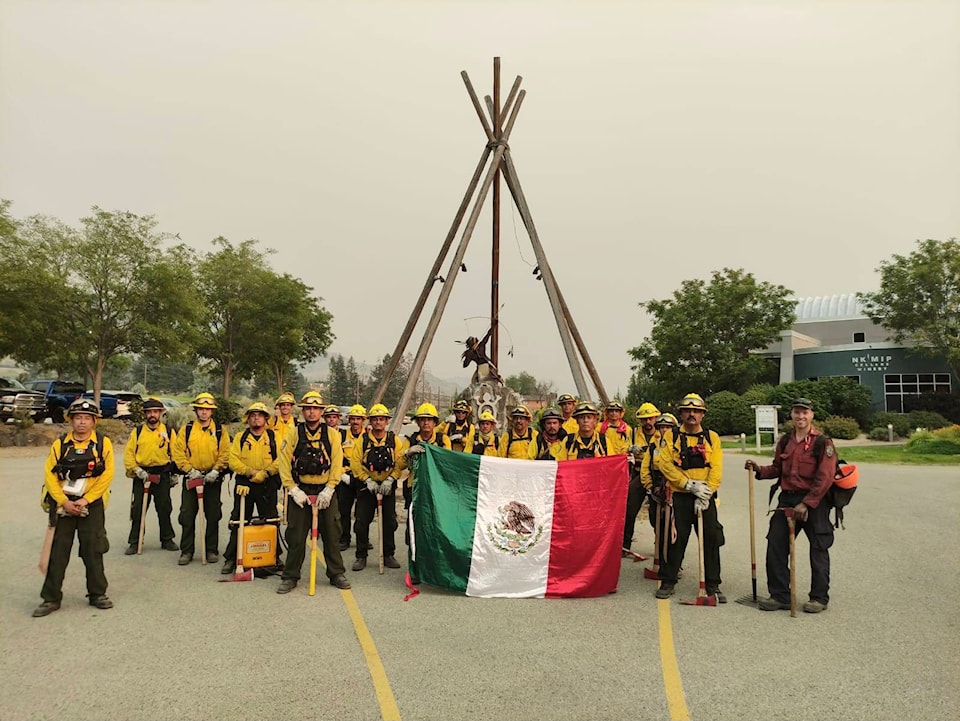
x: 81, y: 297
x: 702, y: 337
x: 397, y: 381
x: 919, y: 299
x: 524, y: 384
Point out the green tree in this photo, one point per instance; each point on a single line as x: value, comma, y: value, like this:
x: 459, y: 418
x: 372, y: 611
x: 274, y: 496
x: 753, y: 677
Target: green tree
x: 524, y: 384
x: 702, y: 337
x: 338, y: 384
x: 86, y: 296
x: 397, y: 381
x: 919, y: 299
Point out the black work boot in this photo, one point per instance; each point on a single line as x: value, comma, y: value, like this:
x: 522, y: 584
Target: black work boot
x: 46, y: 608
x: 360, y: 563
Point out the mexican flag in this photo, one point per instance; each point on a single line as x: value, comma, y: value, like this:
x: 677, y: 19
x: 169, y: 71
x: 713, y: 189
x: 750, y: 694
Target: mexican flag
x: 497, y: 527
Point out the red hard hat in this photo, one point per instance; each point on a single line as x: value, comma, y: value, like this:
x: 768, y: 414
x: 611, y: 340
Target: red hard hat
x: 847, y: 476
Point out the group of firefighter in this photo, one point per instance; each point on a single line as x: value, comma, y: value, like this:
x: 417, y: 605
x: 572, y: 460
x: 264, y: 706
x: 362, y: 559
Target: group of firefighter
x: 313, y: 475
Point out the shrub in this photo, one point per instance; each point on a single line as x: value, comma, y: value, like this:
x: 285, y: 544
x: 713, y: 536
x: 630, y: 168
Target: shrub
x: 946, y: 404
x: 784, y: 395
x: 227, y: 411
x: 927, y: 442
x: 841, y: 427
x: 117, y: 431
x: 950, y: 433
x: 847, y: 398
x: 900, y: 422
x: 722, y: 407
x: 879, y: 434
x: 926, y: 419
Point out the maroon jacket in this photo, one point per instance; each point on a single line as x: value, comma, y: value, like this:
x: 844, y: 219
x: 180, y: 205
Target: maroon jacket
x: 798, y: 470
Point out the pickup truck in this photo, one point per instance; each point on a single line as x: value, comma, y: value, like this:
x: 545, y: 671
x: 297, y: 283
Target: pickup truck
x: 115, y: 404
x: 59, y: 394
x: 14, y: 398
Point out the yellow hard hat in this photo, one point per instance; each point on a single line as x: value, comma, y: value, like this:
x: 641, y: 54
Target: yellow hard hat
x: 614, y: 406
x: 357, y: 410
x: 692, y: 400
x: 285, y: 398
x: 379, y: 411
x: 257, y: 407
x: 427, y: 410
x: 487, y: 416
x: 311, y: 399
x: 586, y: 409
x: 83, y: 405
x: 666, y: 419
x: 204, y: 400
x: 647, y: 410
x: 461, y: 405
x: 154, y: 404
x: 566, y: 398
x: 332, y: 410
x: 521, y: 411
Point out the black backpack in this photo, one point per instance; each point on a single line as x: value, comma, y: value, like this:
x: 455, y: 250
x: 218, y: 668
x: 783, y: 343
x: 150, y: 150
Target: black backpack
x: 691, y: 456
x: 377, y: 459
x: 309, y: 460
x: 480, y: 449
x: 543, y: 446
x: 587, y: 452
x: 188, y: 429
x: 271, y: 436
x: 837, y: 498
x: 511, y: 439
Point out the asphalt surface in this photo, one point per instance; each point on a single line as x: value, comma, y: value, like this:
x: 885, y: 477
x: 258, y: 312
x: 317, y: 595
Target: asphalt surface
x: 180, y: 645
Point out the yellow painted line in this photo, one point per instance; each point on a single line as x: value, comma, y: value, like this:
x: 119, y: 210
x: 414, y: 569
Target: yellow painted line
x: 676, y: 700
x: 389, y: 711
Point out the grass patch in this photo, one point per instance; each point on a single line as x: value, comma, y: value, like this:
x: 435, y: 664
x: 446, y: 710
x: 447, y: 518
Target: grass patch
x: 890, y: 454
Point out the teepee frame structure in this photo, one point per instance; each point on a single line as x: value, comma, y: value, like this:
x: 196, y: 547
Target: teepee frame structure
x: 495, y: 161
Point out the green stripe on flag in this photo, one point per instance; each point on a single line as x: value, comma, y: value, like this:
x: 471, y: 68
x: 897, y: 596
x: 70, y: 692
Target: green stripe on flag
x: 444, y: 516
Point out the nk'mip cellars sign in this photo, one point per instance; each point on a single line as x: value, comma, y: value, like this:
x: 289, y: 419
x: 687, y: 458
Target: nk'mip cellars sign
x: 766, y: 422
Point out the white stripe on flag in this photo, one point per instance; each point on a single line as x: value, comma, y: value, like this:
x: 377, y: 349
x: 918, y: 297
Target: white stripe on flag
x: 506, y: 563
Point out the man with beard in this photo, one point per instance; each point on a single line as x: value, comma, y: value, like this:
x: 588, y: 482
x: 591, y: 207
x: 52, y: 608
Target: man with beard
x: 642, y: 436
x: 549, y: 444
x: 521, y: 436
x: 147, y: 461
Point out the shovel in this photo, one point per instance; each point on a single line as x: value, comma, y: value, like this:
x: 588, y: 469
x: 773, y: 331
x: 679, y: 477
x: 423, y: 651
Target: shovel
x: 239, y: 574
x: 313, y: 547
x: 151, y: 478
x: 702, y: 598
x: 751, y: 600
x: 792, y: 525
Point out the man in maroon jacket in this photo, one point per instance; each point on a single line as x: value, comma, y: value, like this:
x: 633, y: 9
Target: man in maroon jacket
x: 805, y: 462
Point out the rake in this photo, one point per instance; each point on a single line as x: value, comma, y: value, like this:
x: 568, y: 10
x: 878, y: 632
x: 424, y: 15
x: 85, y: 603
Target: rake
x: 702, y: 598
x: 239, y: 574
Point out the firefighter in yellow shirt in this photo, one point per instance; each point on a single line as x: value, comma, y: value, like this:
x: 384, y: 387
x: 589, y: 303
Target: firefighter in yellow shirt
x: 201, y: 451
x: 654, y: 483
x: 311, y: 464
x: 642, y: 434
x: 426, y: 419
x: 283, y: 420
x: 587, y: 442
x: 460, y: 430
x: 549, y: 443
x: 376, y: 462
x: 77, y: 478
x: 516, y: 442
x: 254, y: 460
x: 487, y: 440
x: 693, y: 466
x: 348, y: 488
x: 567, y: 405
x: 148, y: 461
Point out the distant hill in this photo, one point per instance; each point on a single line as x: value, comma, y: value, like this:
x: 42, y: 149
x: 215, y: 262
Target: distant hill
x: 320, y: 369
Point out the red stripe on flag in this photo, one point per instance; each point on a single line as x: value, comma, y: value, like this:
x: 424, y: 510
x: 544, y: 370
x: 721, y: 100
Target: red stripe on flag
x: 589, y: 509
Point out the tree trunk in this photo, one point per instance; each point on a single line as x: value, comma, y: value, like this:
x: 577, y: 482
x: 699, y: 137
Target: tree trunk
x: 227, y: 373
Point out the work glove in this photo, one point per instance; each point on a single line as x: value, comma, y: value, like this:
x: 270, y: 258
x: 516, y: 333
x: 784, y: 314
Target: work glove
x: 700, y: 505
x: 387, y: 486
x: 372, y: 486
x: 634, y: 450
x: 324, y: 497
x: 631, y: 459
x: 345, y: 479
x: 456, y: 437
x: 175, y: 480
x: 140, y: 473
x: 259, y: 477
x: 298, y: 496
x: 242, y: 490
x: 414, y: 450
x: 194, y: 473
x: 211, y: 476
x: 699, y: 489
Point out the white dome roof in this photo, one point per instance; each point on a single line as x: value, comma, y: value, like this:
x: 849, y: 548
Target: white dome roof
x: 829, y: 307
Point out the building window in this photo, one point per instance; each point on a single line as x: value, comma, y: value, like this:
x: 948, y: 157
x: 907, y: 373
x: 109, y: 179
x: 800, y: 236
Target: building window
x: 898, y: 385
x: 859, y: 337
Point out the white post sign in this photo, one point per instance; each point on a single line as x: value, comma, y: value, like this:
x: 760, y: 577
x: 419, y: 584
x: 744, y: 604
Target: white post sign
x: 766, y: 421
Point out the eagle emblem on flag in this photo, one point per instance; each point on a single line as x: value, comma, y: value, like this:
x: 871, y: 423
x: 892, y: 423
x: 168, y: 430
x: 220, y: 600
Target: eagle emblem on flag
x: 516, y: 530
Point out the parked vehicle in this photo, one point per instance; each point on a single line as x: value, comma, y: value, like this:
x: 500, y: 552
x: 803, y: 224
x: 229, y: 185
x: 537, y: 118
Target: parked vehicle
x: 15, y: 398
x: 115, y: 404
x: 59, y: 395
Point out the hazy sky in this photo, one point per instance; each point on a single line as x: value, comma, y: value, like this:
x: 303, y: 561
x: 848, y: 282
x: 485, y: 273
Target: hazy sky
x: 802, y: 141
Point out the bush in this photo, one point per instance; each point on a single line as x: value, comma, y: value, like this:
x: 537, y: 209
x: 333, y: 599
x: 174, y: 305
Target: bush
x: 946, y: 404
x: 847, y: 398
x: 784, y: 395
x: 117, y: 431
x: 841, y: 427
x: 721, y: 408
x: 900, y: 422
x: 879, y: 434
x: 926, y: 419
x: 927, y: 442
x: 951, y: 433
x: 227, y: 411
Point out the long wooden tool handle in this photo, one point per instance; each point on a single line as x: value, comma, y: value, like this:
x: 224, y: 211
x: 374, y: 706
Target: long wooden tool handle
x: 143, y: 517
x: 753, y: 536
x: 703, y: 582
x: 791, y: 524
x: 380, y: 529
x: 203, y: 527
x: 243, y: 517
x: 46, y: 548
x: 313, y: 553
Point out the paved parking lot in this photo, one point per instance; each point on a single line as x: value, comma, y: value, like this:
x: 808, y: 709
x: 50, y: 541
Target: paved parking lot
x: 180, y: 645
